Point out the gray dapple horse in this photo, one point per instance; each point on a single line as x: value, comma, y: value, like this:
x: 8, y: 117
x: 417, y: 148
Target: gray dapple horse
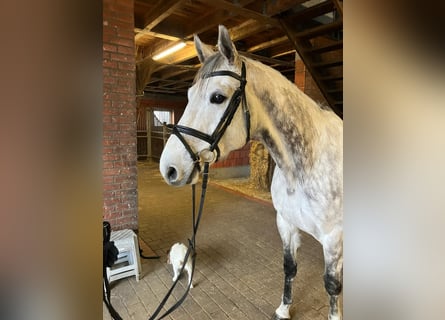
x: 304, y: 139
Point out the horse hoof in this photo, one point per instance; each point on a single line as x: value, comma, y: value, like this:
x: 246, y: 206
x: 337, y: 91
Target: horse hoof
x: 277, y: 317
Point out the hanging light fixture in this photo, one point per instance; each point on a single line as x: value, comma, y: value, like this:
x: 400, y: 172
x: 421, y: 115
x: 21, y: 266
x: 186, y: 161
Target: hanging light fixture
x: 178, y: 46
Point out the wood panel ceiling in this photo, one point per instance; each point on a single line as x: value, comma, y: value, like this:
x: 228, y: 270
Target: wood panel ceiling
x: 275, y: 32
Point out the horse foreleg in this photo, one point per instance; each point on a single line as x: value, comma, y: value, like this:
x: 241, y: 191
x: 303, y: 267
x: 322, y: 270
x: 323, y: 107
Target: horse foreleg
x: 333, y: 255
x: 290, y: 271
x: 291, y: 242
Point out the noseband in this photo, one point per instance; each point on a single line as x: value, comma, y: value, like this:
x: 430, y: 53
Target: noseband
x: 208, y: 154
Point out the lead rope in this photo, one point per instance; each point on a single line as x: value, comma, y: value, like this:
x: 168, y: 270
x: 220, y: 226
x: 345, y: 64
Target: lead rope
x: 191, y: 248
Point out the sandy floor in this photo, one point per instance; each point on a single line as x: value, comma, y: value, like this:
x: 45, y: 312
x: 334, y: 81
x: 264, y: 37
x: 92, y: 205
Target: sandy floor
x: 244, y: 187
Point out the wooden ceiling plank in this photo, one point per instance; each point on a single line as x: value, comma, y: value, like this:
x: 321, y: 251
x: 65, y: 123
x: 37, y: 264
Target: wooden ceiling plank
x: 246, y: 29
x: 168, y: 82
x: 222, y: 4
x: 268, y: 44
x: 275, y: 7
x: 160, y: 11
x: 281, y: 49
x: 284, y: 53
x: 325, y: 48
x: 332, y: 78
x: 171, y: 74
x: 320, y: 30
x: 218, y: 17
x: 206, y: 23
x: 314, y: 11
x: 161, y: 90
x: 141, y: 32
x: 328, y: 64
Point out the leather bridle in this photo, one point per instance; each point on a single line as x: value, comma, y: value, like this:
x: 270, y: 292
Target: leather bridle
x: 238, y: 97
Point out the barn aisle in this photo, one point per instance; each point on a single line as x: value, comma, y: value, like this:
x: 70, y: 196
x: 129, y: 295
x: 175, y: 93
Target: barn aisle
x: 238, y: 271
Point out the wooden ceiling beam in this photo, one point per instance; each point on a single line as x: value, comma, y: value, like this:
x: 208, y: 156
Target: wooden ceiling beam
x: 284, y: 53
x: 175, y: 73
x: 163, y: 90
x: 281, y: 49
x: 140, y: 32
x: 328, y: 64
x: 206, y: 22
x: 326, y: 48
x: 268, y: 44
x: 239, y: 10
x: 332, y: 78
x: 314, y: 11
x: 242, y: 31
x: 169, y: 82
x: 202, y: 24
x: 246, y: 29
x: 274, y: 7
x: 160, y: 11
x: 320, y: 30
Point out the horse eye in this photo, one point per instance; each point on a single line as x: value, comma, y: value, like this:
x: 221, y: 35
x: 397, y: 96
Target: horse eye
x: 217, y: 98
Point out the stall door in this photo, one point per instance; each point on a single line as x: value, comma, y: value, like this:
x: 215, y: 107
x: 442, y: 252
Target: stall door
x: 158, y: 133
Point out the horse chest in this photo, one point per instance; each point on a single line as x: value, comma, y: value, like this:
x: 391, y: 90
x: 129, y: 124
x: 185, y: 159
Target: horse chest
x: 296, y: 208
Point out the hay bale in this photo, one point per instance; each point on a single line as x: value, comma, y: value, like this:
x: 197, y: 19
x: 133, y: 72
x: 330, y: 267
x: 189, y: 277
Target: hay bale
x: 261, y: 165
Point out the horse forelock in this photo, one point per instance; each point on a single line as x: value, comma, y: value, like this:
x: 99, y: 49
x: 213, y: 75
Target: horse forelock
x: 213, y: 63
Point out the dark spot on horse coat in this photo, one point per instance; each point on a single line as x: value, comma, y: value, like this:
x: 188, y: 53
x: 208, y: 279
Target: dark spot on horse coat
x: 290, y: 271
x: 296, y: 140
x: 271, y: 146
x: 289, y: 265
x: 332, y: 285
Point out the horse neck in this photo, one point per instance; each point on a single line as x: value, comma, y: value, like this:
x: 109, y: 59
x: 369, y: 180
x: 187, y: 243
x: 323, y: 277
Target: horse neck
x: 283, y: 119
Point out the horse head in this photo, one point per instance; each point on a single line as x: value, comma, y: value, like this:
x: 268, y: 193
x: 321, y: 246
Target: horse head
x: 212, y: 124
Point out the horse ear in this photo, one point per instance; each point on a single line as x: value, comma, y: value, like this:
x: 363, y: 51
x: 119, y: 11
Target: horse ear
x: 203, y: 50
x: 225, y: 45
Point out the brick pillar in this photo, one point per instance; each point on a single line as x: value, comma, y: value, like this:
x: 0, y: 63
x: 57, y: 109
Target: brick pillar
x: 119, y: 116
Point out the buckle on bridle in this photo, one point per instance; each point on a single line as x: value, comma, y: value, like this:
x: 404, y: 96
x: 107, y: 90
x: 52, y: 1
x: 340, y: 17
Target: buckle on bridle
x: 207, y: 155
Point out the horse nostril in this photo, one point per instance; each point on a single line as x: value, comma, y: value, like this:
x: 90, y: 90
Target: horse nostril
x: 172, y: 174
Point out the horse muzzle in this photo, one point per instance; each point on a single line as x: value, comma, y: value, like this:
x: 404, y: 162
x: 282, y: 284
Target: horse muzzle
x: 176, y: 178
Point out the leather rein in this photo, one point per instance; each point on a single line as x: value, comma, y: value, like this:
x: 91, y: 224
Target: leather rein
x: 198, y: 157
